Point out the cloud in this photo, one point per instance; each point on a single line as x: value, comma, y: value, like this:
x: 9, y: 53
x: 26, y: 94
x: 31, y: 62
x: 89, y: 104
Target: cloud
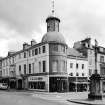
x: 82, y: 18
x: 23, y: 15
x: 23, y: 20
x: 37, y: 35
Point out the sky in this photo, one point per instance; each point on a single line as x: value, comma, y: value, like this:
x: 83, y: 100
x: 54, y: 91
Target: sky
x: 24, y: 20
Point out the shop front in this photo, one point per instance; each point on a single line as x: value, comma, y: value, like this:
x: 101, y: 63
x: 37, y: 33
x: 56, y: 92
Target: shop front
x: 58, y: 84
x: 79, y: 84
x: 38, y: 83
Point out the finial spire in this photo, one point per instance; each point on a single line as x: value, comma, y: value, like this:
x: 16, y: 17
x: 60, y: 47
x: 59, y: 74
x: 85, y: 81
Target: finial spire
x: 53, y: 7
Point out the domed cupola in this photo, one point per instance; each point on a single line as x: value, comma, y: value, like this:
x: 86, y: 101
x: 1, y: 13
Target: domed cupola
x: 53, y: 34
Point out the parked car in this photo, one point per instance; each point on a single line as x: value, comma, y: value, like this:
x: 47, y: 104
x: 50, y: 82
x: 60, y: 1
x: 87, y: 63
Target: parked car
x: 3, y: 86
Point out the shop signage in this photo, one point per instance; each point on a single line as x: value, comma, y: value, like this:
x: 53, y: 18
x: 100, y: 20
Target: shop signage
x: 37, y: 78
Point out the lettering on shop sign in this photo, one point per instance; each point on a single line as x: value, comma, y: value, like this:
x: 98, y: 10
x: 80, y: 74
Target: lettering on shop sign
x: 35, y: 78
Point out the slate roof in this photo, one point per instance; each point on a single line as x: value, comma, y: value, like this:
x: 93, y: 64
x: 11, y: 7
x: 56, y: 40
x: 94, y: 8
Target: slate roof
x: 73, y: 52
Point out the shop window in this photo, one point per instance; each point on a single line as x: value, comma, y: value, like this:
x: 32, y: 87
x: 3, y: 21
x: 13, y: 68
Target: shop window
x: 71, y: 65
x: 82, y: 66
x: 44, y: 66
x: 37, y: 85
x: 29, y: 68
x: 44, y: 49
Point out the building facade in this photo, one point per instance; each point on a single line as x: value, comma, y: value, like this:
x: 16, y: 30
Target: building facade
x: 77, y: 68
x: 41, y: 66
x: 49, y: 65
x: 86, y: 48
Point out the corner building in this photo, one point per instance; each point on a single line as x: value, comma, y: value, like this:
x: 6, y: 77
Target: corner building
x: 57, y: 56
x: 41, y: 66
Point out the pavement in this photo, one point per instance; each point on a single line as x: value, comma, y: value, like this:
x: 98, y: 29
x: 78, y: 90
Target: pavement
x: 71, y: 97
x: 80, y: 98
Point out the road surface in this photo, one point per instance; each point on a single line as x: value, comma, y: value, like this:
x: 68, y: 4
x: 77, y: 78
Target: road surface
x: 26, y: 98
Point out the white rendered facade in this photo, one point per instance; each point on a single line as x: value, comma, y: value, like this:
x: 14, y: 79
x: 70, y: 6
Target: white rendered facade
x: 81, y: 70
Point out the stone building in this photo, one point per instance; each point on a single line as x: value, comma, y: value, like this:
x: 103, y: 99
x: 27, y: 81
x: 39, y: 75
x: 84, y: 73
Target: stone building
x: 86, y: 48
x: 41, y: 66
x: 47, y: 66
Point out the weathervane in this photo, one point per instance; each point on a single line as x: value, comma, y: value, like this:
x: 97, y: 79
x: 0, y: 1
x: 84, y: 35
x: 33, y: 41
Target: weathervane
x: 53, y: 7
